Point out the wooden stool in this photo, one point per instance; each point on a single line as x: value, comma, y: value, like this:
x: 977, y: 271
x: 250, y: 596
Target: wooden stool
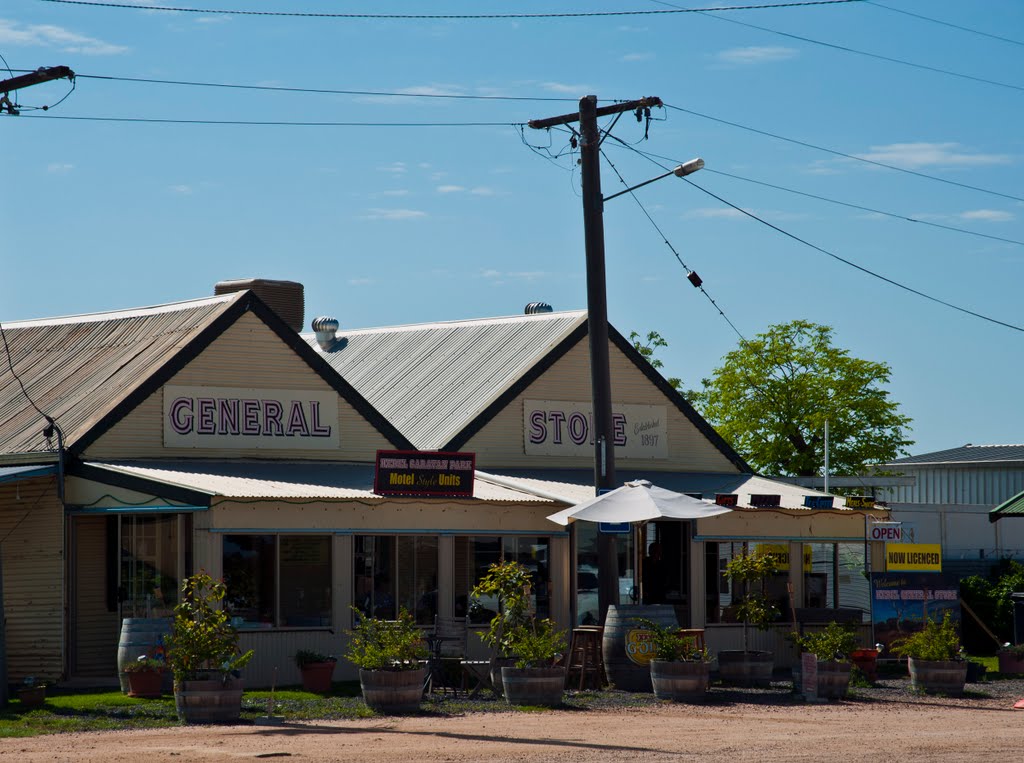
x: 585, y: 656
x: 697, y: 634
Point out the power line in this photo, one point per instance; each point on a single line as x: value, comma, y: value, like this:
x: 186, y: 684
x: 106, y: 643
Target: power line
x: 850, y: 205
x: 834, y: 152
x: 944, y: 23
x: 854, y: 265
x: 845, y: 49
x: 255, y: 123
x: 439, y: 16
x: 690, y: 274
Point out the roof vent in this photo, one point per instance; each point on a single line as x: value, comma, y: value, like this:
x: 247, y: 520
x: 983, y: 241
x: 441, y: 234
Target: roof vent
x: 285, y: 298
x: 534, y: 308
x: 325, y: 329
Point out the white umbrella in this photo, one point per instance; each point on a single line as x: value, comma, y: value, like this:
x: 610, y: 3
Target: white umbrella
x: 637, y: 502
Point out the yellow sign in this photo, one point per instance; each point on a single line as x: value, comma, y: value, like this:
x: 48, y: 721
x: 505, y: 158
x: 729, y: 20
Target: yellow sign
x: 913, y: 557
x: 781, y: 553
x: 639, y: 646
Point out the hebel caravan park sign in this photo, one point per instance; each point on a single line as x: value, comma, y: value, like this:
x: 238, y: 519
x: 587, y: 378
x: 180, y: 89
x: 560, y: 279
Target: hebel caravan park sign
x: 563, y: 428
x: 424, y: 473
x: 232, y: 418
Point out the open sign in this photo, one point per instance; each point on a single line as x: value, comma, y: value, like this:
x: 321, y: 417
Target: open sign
x: 888, y: 533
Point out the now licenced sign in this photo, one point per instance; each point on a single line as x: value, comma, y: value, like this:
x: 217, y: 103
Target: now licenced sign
x: 913, y: 557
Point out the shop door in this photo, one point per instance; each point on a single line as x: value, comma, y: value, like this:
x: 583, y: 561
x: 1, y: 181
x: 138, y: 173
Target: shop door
x: 94, y: 621
x: 152, y: 559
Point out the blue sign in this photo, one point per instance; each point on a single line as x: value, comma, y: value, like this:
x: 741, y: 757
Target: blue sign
x: 614, y: 528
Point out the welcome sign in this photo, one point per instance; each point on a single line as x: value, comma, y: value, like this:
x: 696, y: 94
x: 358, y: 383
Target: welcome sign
x: 230, y: 417
x: 565, y: 428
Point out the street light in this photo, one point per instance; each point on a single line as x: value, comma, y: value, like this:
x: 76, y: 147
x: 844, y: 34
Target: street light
x: 687, y: 168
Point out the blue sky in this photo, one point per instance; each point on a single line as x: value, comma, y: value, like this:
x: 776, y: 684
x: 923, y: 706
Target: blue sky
x: 388, y: 225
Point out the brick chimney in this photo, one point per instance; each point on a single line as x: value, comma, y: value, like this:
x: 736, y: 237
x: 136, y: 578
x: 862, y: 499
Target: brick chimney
x: 286, y: 298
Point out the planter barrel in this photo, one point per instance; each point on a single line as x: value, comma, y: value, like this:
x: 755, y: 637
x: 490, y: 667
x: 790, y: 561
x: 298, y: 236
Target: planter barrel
x: 626, y: 651
x: 145, y: 684
x: 1010, y: 664
x: 533, y: 686
x: 393, y: 691
x: 941, y: 676
x: 317, y: 676
x: 833, y: 679
x: 746, y: 668
x: 679, y: 681
x: 495, y: 672
x: 32, y: 696
x: 208, y: 701
x: 139, y: 636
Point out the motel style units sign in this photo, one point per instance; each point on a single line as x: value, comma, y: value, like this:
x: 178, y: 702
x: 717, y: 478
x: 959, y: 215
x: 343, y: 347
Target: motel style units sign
x: 424, y: 473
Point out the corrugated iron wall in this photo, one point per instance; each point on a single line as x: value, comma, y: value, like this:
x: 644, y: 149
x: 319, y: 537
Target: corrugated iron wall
x: 990, y: 485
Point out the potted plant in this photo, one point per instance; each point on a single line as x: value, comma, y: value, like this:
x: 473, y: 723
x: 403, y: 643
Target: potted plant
x: 1011, y: 658
x: 679, y: 670
x: 866, y: 661
x: 508, y: 582
x: 534, y: 679
x: 203, y: 654
x: 32, y: 693
x: 831, y: 648
x: 935, y: 657
x: 389, y: 655
x: 317, y: 670
x: 145, y: 677
x: 750, y: 667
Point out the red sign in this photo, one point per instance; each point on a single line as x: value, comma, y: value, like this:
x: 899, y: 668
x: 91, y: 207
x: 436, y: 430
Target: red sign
x: 424, y: 473
x: 729, y: 500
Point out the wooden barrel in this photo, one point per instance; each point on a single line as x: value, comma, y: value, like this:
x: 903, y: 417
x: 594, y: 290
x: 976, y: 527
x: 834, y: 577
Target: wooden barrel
x: 139, y: 636
x: 679, y: 681
x: 533, y: 686
x: 943, y: 676
x: 393, y: 691
x: 746, y: 668
x: 833, y: 679
x: 625, y: 646
x: 211, y: 701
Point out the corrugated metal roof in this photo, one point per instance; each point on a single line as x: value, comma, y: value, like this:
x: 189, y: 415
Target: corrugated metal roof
x: 577, y: 484
x: 286, y: 479
x: 431, y: 380
x: 78, y: 368
x: 15, y: 473
x: 966, y: 454
x: 1011, y: 508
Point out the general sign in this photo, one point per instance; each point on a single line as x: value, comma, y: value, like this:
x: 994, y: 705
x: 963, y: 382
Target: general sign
x: 425, y: 473
x: 564, y: 428
x: 913, y: 557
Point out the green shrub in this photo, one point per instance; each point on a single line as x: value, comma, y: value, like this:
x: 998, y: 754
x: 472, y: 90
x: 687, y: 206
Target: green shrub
x: 671, y: 646
x: 936, y: 641
x: 377, y: 644
x: 536, y: 643
x: 834, y: 643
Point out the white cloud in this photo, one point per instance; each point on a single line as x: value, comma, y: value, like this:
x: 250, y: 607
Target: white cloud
x: 221, y: 19
x: 713, y: 212
x: 482, y: 190
x: 756, y: 54
x: 394, y: 214
x: 561, y: 87
x: 987, y: 215
x: 525, y: 275
x: 395, y: 167
x: 395, y: 192
x: 52, y: 36
x: 182, y: 189
x: 918, y: 155
x: 59, y: 168
x: 634, y: 57
x: 450, y: 189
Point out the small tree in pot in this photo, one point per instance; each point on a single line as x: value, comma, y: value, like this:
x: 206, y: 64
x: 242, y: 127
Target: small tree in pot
x: 679, y: 670
x: 832, y: 648
x: 203, y: 654
x: 317, y: 670
x: 935, y: 657
x: 535, y: 679
x: 389, y: 655
x: 750, y: 571
x: 508, y: 583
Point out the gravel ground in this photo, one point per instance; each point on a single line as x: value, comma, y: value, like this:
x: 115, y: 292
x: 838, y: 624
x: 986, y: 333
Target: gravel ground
x: 887, y: 720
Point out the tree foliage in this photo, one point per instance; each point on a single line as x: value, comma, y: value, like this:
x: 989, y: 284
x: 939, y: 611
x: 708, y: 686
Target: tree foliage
x: 647, y: 347
x: 772, y: 395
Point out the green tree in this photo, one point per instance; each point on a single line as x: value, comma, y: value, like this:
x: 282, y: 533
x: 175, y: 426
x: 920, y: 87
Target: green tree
x: 654, y: 341
x: 772, y: 395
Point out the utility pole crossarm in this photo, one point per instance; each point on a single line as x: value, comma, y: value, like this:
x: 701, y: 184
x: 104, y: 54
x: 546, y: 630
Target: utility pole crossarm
x: 615, y: 108
x: 38, y: 77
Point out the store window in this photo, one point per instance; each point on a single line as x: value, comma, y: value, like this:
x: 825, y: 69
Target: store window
x: 775, y: 588
x: 587, y: 602
x: 834, y: 577
x: 473, y: 557
x: 278, y: 581
x: 393, y: 572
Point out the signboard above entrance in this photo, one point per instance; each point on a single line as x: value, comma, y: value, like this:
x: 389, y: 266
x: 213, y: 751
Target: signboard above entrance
x: 424, y: 473
x: 913, y: 557
x: 562, y: 428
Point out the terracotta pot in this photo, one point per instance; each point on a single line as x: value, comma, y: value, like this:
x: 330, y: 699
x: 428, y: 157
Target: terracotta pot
x: 866, y: 661
x: 32, y: 696
x: 145, y: 684
x: 317, y: 676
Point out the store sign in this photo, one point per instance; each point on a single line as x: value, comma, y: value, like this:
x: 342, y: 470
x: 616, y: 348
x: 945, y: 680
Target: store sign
x: 886, y: 532
x: 233, y: 418
x: 559, y: 428
x: 424, y: 473
x: 860, y: 502
x: 780, y: 552
x: 640, y: 646
x: 901, y: 602
x: 913, y: 557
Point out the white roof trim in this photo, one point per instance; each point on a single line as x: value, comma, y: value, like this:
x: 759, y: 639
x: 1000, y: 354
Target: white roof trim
x: 133, y: 312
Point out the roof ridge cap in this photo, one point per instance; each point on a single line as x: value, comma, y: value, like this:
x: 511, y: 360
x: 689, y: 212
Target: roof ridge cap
x: 131, y: 312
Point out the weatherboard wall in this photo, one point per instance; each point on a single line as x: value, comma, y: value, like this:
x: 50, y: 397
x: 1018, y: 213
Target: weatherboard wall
x: 247, y: 355
x: 501, y: 442
x: 32, y: 533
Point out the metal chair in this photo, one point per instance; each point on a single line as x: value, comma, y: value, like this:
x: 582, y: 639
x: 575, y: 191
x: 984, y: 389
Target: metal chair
x: 447, y: 647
